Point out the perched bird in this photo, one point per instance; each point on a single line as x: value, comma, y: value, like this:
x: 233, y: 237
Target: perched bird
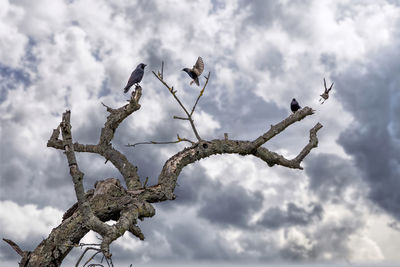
x: 325, y: 95
x: 294, y: 105
x: 136, y: 77
x: 196, y: 71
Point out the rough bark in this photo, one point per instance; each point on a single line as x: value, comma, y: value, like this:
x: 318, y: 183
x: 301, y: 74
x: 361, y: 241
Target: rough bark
x: 104, y: 147
x: 109, y: 200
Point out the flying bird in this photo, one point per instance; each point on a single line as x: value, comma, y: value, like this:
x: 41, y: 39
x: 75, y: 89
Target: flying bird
x: 325, y: 95
x: 196, y: 71
x: 294, y: 105
x: 136, y: 77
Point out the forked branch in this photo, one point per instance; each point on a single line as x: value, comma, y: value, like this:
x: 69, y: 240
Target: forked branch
x: 104, y: 147
x: 97, y: 251
x: 132, y: 211
x: 76, y: 174
x: 172, y: 168
x: 201, y: 92
x: 160, y: 77
x: 189, y: 116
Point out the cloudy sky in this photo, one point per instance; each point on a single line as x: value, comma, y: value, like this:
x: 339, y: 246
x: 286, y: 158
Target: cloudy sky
x: 343, y: 208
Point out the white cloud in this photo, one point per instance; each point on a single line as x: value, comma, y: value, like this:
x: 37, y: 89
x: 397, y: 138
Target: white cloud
x: 13, y: 42
x: 20, y: 222
x: 42, y: 18
x: 383, y: 236
x: 364, y: 249
x: 206, y: 123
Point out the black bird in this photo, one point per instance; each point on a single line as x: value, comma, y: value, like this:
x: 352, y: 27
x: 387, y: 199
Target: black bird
x: 294, y: 105
x: 196, y: 71
x: 136, y: 77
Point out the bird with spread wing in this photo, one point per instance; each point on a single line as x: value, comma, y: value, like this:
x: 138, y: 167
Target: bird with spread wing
x: 325, y: 95
x: 196, y: 71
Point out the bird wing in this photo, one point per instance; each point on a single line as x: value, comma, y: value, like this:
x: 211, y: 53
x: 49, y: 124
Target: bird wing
x: 330, y: 88
x: 198, y: 67
x: 136, y: 76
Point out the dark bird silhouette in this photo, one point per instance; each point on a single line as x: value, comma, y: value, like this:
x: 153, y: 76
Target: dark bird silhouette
x: 136, y: 77
x: 294, y: 105
x: 196, y: 71
x: 325, y: 95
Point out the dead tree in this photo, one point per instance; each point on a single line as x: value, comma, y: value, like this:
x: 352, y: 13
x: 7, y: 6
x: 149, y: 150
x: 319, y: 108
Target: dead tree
x: 109, y: 200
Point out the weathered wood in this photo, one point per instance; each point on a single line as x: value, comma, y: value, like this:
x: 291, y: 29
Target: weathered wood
x: 109, y: 200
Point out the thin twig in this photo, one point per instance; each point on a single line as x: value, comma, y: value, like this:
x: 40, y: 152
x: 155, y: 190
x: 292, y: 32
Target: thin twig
x: 201, y: 93
x: 111, y: 263
x: 91, y: 258
x: 98, y: 250
x: 161, y: 143
x: 83, y: 254
x: 162, y: 69
x: 180, y: 118
x: 171, y: 90
x: 84, y: 244
x: 107, y: 259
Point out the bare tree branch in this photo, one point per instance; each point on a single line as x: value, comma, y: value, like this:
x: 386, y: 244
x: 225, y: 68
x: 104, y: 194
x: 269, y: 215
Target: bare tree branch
x: 279, y: 127
x: 104, y: 148
x: 312, y: 143
x: 180, y: 118
x: 173, y: 166
x: 127, y: 217
x: 160, y: 77
x: 97, y: 251
x: 108, y: 201
x: 83, y: 254
x: 162, y: 143
x: 91, y: 220
x: 77, y: 175
x: 272, y: 158
x: 15, y: 247
x: 171, y: 90
x: 118, y: 115
x: 201, y: 93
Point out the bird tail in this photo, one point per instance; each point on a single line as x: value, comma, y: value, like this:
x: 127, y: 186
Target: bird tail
x: 126, y: 89
x: 197, y: 81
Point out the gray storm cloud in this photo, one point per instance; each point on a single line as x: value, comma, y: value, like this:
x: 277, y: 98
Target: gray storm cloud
x: 261, y: 54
